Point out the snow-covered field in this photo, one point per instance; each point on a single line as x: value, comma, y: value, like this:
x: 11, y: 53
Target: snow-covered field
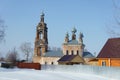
x: 31, y: 74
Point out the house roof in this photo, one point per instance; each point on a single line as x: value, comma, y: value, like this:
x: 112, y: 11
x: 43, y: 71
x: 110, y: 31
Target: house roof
x: 66, y: 58
x: 58, y: 53
x: 94, y: 59
x: 111, y: 49
x: 87, y: 54
x: 70, y: 58
x: 53, y: 53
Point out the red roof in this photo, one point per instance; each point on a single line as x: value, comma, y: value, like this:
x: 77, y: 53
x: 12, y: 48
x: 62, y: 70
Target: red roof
x: 111, y: 49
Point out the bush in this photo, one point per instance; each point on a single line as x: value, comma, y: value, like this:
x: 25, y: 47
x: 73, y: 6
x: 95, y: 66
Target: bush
x: 7, y: 65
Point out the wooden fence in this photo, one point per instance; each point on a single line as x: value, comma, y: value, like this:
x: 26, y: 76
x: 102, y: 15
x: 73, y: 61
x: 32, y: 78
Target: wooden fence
x: 36, y: 66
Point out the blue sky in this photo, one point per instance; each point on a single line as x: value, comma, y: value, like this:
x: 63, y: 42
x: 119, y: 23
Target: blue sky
x: 88, y: 16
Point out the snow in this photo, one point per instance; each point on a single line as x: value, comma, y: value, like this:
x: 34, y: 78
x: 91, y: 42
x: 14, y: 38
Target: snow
x: 31, y: 74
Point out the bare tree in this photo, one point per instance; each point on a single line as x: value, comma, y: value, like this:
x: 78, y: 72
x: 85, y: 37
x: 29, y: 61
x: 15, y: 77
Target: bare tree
x: 1, y: 57
x: 26, y: 49
x: 114, y: 30
x: 2, y: 30
x: 12, y: 56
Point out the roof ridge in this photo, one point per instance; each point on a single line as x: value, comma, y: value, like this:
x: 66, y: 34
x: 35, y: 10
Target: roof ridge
x: 113, y: 38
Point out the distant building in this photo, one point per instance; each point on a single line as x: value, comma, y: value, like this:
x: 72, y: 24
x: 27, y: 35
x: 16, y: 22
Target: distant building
x: 110, y: 53
x: 73, y: 46
x: 41, y: 53
x: 72, y: 50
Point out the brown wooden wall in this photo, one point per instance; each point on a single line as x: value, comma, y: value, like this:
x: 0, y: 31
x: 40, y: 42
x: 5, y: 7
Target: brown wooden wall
x: 115, y: 62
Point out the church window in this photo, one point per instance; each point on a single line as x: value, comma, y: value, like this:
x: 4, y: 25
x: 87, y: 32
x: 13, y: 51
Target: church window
x: 40, y: 35
x: 72, y: 52
x: 45, y: 63
x: 40, y: 51
x: 66, y: 52
x: 52, y: 63
x: 77, y: 52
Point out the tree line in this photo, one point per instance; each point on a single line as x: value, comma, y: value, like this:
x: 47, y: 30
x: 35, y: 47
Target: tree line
x: 13, y: 55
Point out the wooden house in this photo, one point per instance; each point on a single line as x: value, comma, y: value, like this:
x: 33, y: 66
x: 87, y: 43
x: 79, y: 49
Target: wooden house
x: 110, y: 53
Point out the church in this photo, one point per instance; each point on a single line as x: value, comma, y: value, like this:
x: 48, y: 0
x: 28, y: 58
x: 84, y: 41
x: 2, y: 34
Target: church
x: 72, y: 49
x: 41, y: 53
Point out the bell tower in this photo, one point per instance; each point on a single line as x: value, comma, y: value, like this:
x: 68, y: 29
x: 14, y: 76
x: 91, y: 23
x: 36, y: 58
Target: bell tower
x: 41, y: 40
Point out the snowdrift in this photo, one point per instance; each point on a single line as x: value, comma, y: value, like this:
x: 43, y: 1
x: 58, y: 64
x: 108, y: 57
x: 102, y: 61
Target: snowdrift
x: 75, y: 72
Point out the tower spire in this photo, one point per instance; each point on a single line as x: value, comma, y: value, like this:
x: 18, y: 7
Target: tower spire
x: 66, y: 37
x: 42, y: 17
x: 73, y: 33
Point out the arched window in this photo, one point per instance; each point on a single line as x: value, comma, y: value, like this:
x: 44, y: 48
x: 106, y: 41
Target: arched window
x: 40, y: 51
x: 52, y: 63
x: 66, y: 52
x: 72, y: 52
x: 41, y: 35
x: 77, y: 52
x: 45, y: 63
